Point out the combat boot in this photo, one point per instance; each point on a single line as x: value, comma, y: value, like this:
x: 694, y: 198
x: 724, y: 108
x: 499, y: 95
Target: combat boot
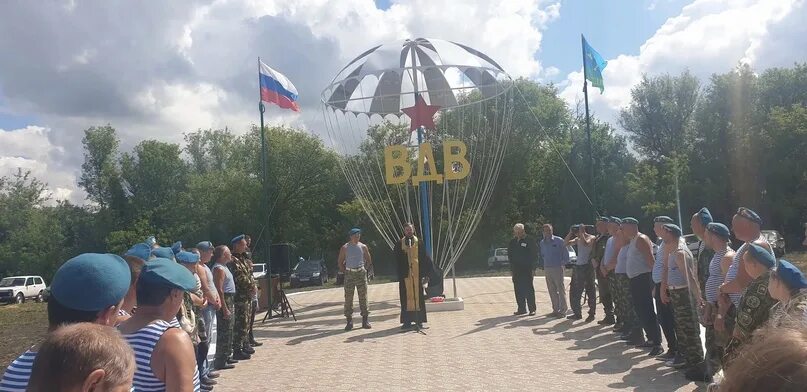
x: 240, y: 355
x: 349, y: 325
x: 247, y: 349
x: 608, y: 320
x: 365, y: 323
x: 222, y: 365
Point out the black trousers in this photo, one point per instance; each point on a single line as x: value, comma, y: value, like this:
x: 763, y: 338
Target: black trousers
x: 666, y: 319
x: 641, y: 289
x: 524, y: 289
x: 583, y: 279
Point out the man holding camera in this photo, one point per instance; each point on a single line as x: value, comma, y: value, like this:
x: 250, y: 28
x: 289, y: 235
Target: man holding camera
x: 583, y: 276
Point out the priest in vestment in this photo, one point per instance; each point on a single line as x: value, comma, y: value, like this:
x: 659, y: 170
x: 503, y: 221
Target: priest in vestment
x: 414, y: 264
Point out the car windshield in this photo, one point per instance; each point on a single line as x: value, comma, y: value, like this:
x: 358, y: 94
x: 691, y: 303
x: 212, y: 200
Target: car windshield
x: 501, y: 252
x: 257, y: 268
x: 307, y: 266
x: 9, y: 282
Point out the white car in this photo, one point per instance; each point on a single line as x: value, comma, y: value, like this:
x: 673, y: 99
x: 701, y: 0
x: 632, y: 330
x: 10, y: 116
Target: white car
x: 19, y: 288
x: 498, y: 258
x: 258, y: 270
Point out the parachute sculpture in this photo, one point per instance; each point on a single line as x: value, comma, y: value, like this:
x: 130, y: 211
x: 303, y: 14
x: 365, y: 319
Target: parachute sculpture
x: 422, y: 126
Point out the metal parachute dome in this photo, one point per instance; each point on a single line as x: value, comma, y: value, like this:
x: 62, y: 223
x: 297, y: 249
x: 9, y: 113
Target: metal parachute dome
x: 365, y: 109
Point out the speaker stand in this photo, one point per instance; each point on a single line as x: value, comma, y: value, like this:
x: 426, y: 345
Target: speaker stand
x: 281, y: 308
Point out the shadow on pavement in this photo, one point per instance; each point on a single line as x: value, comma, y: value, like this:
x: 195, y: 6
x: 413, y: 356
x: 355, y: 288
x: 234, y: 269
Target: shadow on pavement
x: 653, y: 378
x: 374, y: 335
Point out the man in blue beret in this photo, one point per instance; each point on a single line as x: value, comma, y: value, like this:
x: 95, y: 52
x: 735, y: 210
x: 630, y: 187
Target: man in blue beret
x: 683, y: 287
x: 755, y: 304
x: 135, y: 257
x: 598, y: 261
x: 639, y: 266
x: 665, y: 311
x: 354, y: 261
x: 87, y: 288
x: 704, y: 255
x: 170, y: 360
x: 208, y: 313
x: 245, y: 289
x: 190, y: 315
x: 746, y: 225
x: 176, y: 247
x: 151, y: 241
x: 617, y: 278
x: 163, y: 253
x: 717, y: 239
x: 583, y: 275
x: 788, y: 285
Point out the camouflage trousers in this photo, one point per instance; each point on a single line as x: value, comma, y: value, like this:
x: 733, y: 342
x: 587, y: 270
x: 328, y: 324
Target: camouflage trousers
x: 687, y: 327
x: 224, y: 330
x: 714, y: 349
x: 241, y: 327
x: 623, y: 303
x: 356, y: 281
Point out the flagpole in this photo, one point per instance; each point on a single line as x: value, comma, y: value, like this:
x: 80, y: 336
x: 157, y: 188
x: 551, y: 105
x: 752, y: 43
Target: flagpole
x: 588, y: 128
x: 265, y: 198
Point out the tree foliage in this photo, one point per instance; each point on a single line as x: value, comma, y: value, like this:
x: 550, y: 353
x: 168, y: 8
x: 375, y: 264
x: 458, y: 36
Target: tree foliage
x: 737, y: 140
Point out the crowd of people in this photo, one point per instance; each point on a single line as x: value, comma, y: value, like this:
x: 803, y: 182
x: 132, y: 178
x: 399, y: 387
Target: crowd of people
x: 745, y: 298
x: 144, y: 321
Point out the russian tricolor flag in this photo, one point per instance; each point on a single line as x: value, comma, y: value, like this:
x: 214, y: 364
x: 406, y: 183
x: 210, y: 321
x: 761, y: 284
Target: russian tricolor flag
x: 277, y: 88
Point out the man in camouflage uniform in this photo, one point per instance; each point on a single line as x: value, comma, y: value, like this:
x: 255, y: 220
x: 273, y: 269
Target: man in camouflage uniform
x: 244, y: 291
x: 354, y: 261
x: 598, y: 259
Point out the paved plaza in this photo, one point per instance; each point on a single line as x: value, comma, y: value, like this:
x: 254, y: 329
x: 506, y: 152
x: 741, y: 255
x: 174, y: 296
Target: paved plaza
x: 481, y: 348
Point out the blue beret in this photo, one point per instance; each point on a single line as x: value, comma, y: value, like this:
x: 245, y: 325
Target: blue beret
x: 719, y: 229
x: 630, y: 221
x: 663, y: 219
x: 164, y: 272
x: 616, y: 220
x: 151, y: 241
x: 164, y: 253
x: 141, y: 251
x: 762, y: 255
x: 791, y: 275
x: 750, y: 215
x: 237, y: 238
x: 673, y: 229
x: 355, y: 231
x: 187, y: 257
x: 176, y: 247
x: 91, y: 282
x: 705, y: 216
x: 204, y: 246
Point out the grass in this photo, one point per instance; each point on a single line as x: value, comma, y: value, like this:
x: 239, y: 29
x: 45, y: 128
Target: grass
x: 23, y: 326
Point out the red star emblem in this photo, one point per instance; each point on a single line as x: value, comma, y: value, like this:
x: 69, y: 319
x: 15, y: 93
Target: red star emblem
x: 421, y: 114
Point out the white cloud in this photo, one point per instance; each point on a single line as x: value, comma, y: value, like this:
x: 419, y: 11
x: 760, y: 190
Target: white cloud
x: 30, y: 149
x: 156, y: 69
x: 709, y: 36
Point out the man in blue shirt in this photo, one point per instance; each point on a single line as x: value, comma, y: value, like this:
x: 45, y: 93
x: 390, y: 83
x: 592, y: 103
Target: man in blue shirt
x: 555, y: 256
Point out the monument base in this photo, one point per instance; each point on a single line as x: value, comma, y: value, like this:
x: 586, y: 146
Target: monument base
x: 449, y: 304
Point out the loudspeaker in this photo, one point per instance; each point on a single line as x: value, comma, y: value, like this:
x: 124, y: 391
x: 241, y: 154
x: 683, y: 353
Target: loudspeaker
x: 280, y: 258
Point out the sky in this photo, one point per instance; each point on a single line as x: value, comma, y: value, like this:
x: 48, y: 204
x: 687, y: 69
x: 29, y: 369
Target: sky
x: 156, y: 70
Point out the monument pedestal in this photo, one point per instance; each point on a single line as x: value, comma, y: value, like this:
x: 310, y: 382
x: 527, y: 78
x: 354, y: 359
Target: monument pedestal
x: 449, y: 304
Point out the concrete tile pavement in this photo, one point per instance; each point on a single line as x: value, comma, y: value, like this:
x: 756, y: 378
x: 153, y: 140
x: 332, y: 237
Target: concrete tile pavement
x: 482, y: 348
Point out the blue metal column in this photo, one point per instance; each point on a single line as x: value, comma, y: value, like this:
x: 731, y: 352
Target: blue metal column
x: 424, y: 203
